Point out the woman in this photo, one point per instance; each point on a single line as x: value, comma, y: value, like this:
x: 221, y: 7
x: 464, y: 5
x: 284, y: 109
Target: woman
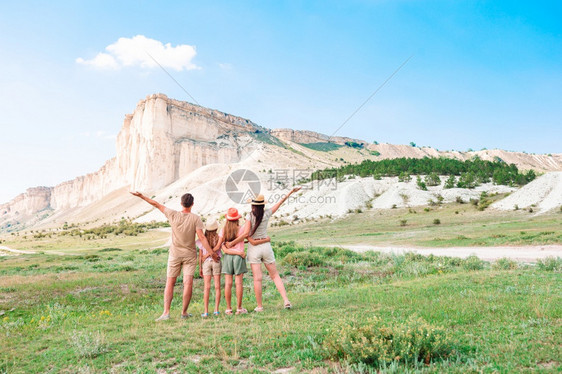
x: 259, y: 248
x: 233, y: 261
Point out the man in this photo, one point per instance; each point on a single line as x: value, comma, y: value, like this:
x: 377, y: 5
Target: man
x: 183, y: 252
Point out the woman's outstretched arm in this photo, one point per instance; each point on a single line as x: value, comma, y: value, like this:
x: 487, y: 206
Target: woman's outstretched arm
x: 280, y: 202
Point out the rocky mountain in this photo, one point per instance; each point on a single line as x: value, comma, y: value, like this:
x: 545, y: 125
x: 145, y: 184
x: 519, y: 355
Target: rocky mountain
x: 168, y: 146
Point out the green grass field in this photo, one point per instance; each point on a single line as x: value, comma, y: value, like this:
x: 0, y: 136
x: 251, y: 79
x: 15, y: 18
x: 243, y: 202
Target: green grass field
x: 92, y: 310
x: 460, y: 225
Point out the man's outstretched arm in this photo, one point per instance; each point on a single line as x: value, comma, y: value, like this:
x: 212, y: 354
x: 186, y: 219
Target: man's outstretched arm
x: 150, y: 201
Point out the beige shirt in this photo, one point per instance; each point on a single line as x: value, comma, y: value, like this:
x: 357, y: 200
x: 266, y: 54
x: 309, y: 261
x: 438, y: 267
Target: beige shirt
x: 261, y: 231
x: 184, y: 228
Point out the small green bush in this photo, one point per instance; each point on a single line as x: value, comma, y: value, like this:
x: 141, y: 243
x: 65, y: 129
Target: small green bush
x: 87, y: 344
x: 421, y: 184
x: 505, y: 264
x: 403, y: 222
x: 305, y: 258
x: 550, y: 264
x: 432, y: 179
x: 473, y: 263
x: 451, y: 181
x: 436, y: 221
x: 404, y: 177
x: 111, y: 250
x: 377, y: 342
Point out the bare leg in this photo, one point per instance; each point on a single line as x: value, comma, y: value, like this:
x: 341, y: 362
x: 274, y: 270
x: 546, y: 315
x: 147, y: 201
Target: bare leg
x: 168, y: 294
x: 239, y: 289
x: 257, y: 275
x: 274, y: 274
x: 187, y: 290
x: 206, y: 291
x: 228, y: 290
x: 217, y: 292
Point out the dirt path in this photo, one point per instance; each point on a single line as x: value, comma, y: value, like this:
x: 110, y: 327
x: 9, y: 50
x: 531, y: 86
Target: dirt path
x: 518, y: 253
x: 59, y: 253
x: 16, y: 251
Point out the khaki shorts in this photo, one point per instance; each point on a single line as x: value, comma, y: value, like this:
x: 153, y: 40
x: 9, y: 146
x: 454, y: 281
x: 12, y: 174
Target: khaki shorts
x: 175, y: 266
x: 260, y: 253
x: 211, y: 268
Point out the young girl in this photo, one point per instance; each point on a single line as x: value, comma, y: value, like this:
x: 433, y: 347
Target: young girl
x: 233, y: 261
x: 259, y: 248
x: 210, y: 266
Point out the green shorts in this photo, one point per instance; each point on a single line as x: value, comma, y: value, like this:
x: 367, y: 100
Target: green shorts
x: 233, y: 265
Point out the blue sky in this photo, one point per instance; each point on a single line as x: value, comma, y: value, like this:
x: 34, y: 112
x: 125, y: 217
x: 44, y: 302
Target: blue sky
x: 483, y: 74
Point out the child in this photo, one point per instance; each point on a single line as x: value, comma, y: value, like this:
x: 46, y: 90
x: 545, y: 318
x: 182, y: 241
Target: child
x: 233, y: 261
x: 210, y: 266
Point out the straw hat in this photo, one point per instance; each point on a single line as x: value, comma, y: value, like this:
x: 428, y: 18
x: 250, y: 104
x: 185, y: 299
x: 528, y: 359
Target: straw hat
x: 258, y: 200
x: 232, y: 214
x: 211, y: 225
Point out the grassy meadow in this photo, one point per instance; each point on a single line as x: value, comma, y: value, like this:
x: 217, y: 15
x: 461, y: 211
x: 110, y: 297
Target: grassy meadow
x: 91, y: 309
x: 444, y: 225
x: 86, y: 300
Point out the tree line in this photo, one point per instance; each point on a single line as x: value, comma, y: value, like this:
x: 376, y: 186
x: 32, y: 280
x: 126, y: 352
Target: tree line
x: 470, y: 173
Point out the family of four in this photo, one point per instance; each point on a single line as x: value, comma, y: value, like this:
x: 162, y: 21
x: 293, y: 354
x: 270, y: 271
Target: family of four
x: 220, y: 252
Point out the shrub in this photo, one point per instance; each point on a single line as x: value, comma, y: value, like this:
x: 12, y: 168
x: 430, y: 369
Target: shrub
x: 375, y: 153
x: 87, y: 344
x: 450, y: 182
x: 550, y: 264
x: 467, y: 180
x: 436, y: 221
x: 421, y: 184
x: 377, y: 342
x: 282, y: 249
x: 459, y: 200
x: 305, y: 258
x: 354, y: 144
x: 473, y: 263
x: 403, y: 222
x: 393, y: 206
x: 505, y: 264
x: 404, y: 177
x: 432, y: 179
x: 92, y: 258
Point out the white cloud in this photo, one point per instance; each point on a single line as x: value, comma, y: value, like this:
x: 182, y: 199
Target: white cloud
x: 101, y: 61
x: 144, y: 52
x: 225, y: 66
